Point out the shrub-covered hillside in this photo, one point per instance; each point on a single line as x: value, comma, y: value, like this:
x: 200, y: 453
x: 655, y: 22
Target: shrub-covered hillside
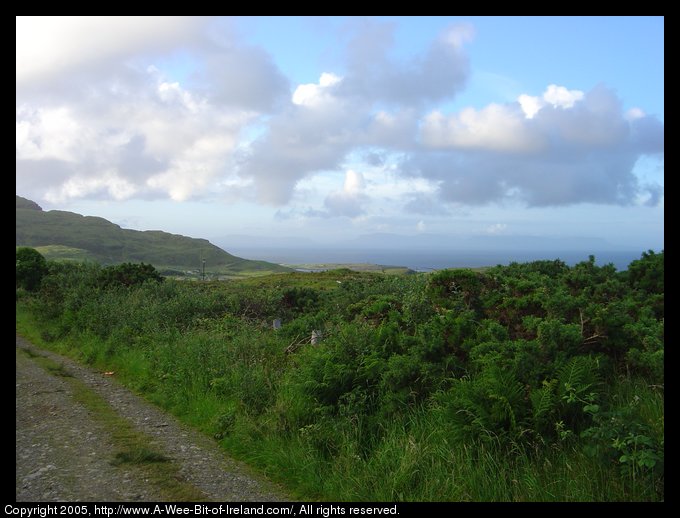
x: 67, y: 235
x: 534, y: 381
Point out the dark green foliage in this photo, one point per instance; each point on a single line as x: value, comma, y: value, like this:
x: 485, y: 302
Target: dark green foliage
x: 647, y: 273
x: 489, y: 406
x: 127, y: 274
x: 622, y: 435
x: 299, y: 300
x: 457, y: 288
x: 647, y: 357
x: 578, y: 391
x: 31, y: 268
x: 510, y: 369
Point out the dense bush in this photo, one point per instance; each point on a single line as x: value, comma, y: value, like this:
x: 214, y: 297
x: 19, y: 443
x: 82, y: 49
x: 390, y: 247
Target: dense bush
x: 31, y: 268
x: 522, y: 366
x: 128, y: 274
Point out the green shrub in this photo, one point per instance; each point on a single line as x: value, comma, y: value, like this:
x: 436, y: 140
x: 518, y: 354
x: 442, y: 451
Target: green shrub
x: 31, y: 268
x: 128, y: 274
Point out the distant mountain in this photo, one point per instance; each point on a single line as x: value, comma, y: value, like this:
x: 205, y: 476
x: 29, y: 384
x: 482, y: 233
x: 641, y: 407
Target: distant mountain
x: 64, y: 234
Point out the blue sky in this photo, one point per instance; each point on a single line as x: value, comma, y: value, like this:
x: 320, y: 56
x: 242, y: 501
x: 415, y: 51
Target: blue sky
x: 330, y: 128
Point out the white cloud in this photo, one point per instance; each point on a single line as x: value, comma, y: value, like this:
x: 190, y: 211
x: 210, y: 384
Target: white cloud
x: 560, y: 96
x: 347, y: 202
x: 354, y: 183
x: 496, y: 127
x: 371, y: 192
x: 437, y: 74
x: 160, y: 139
x: 48, y: 133
x: 51, y: 45
x: 530, y: 105
x: 316, y: 94
x: 96, y: 117
x: 634, y: 113
x: 555, y: 96
x: 576, y: 148
x: 376, y: 103
x: 109, y: 184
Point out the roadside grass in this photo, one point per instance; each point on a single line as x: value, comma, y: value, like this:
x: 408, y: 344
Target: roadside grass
x: 416, y: 463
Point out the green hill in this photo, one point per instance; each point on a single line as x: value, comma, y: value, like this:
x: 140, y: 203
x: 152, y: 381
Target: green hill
x: 67, y: 235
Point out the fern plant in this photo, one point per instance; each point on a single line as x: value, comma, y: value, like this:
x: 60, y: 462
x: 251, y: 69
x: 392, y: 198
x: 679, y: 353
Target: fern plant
x: 543, y: 406
x: 488, y: 406
x: 578, y: 383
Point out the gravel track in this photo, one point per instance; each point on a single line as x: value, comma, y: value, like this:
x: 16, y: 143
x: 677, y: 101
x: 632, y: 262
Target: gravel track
x: 63, y: 453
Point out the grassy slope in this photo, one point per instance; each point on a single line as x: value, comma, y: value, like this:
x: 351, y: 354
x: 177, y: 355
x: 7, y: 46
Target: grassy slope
x: 65, y: 253
x: 107, y: 243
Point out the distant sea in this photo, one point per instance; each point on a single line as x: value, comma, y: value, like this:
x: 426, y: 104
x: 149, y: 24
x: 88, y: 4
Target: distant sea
x: 423, y: 260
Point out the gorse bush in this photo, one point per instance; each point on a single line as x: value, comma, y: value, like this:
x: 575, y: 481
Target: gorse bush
x: 128, y: 274
x: 530, y: 369
x: 31, y: 268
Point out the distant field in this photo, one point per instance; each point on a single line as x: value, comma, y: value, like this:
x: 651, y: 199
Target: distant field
x: 367, y: 267
x: 65, y: 253
x: 356, y: 267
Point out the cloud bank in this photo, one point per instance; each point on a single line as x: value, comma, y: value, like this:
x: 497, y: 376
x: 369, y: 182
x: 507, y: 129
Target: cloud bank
x: 562, y: 148
x: 104, y: 116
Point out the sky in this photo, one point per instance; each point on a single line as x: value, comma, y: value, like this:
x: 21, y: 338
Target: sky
x: 333, y: 127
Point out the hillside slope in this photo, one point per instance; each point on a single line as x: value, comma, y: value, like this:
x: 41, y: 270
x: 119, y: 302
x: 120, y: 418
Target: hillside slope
x: 108, y: 243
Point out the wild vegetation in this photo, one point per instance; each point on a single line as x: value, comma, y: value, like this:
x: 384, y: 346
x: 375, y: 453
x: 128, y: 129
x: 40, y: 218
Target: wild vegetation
x: 527, y: 382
